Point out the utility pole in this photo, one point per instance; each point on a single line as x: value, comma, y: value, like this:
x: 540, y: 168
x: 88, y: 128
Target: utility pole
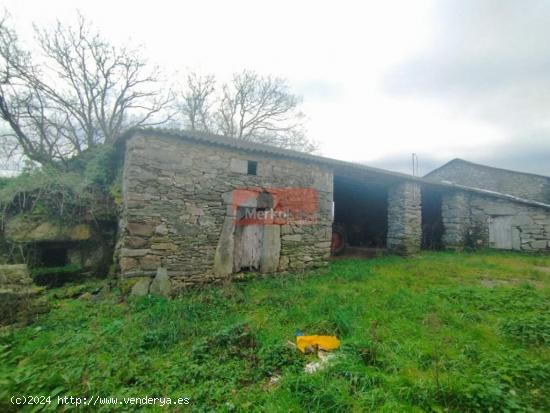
x: 414, y: 164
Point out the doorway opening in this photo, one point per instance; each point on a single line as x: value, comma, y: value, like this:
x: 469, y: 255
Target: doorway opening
x: 54, y: 256
x: 432, y: 221
x: 360, y: 216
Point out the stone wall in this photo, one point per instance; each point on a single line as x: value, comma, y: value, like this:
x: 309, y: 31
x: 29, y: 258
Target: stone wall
x: 88, y: 244
x: 455, y: 214
x: 467, y: 217
x: 404, y: 218
x: 528, y: 186
x: 20, y: 299
x: 178, y: 214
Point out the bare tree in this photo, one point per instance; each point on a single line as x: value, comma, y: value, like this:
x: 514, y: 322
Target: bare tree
x: 262, y: 109
x: 197, y: 100
x: 82, y: 92
x: 250, y: 107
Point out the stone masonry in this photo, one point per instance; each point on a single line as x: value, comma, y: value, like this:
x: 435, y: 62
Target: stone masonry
x: 20, y: 299
x: 404, y: 218
x: 467, y: 217
x: 456, y: 219
x: 178, y: 215
x: 186, y: 198
x: 523, y: 185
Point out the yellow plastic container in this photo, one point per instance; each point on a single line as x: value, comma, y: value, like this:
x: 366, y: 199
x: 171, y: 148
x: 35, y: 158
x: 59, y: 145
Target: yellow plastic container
x: 326, y: 343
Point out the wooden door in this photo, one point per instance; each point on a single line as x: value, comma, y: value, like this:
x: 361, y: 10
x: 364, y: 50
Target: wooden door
x: 500, y: 232
x: 248, y: 241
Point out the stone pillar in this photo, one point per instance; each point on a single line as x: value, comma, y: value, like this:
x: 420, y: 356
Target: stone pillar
x: 404, y: 218
x: 455, y: 216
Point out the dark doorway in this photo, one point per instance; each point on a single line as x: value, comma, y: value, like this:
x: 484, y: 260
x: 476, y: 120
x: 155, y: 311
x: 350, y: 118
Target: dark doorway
x: 53, y: 267
x: 432, y: 222
x: 361, y: 212
x: 54, y: 256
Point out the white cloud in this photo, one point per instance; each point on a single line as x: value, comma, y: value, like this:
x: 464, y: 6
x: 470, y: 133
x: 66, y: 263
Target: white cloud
x: 338, y: 55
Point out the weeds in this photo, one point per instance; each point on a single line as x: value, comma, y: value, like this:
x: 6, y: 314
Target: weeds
x: 531, y: 329
x: 417, y: 335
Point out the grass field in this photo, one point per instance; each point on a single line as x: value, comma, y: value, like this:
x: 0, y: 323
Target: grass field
x: 438, y: 332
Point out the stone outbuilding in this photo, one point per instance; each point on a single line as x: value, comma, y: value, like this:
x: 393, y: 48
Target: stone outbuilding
x: 204, y: 207
x: 520, y: 184
x: 493, y: 207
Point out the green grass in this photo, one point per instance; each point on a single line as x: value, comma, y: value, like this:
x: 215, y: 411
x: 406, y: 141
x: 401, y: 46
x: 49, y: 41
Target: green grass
x: 439, y: 332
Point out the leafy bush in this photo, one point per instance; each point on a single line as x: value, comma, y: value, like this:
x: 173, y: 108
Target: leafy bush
x: 81, y: 187
x: 531, y: 329
x: 478, y: 394
x: 56, y: 276
x: 275, y: 358
x: 235, y: 340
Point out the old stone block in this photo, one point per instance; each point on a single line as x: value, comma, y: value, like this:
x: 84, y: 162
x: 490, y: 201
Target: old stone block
x: 16, y: 274
x: 150, y: 262
x: 284, y: 263
x: 292, y: 237
x: 127, y: 263
x: 264, y: 170
x: 239, y: 166
x: 206, y: 220
x: 539, y: 244
x: 322, y: 181
x: 186, y: 162
x: 161, y: 284
x: 521, y: 220
x: 223, y: 259
x: 21, y: 304
x: 141, y: 287
x: 126, y: 252
x: 286, y: 229
x: 163, y: 246
x: 20, y: 229
x: 193, y: 209
x: 139, y: 229
x: 161, y: 229
x: 135, y: 242
x: 323, y: 244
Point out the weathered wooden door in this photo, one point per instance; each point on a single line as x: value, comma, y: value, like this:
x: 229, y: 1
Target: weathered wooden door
x: 500, y: 232
x: 248, y: 240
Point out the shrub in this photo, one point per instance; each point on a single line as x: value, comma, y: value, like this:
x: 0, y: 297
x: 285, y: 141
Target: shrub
x: 55, y: 276
x: 531, y: 329
x: 278, y: 357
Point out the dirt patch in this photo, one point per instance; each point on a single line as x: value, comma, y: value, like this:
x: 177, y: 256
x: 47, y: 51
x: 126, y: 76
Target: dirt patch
x: 511, y: 282
x: 494, y: 283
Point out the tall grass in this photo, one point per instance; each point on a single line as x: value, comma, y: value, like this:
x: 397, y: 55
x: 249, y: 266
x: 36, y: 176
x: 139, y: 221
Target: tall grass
x: 432, y: 333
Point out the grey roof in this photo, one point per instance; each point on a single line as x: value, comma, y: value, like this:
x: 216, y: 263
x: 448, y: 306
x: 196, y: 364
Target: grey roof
x: 225, y: 141
x: 494, y: 168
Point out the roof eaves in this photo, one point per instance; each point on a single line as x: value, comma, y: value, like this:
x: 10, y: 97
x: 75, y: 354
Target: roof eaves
x: 208, y: 138
x: 485, y: 167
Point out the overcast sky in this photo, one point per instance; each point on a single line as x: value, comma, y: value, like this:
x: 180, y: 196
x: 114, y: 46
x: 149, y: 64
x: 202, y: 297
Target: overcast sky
x: 380, y: 80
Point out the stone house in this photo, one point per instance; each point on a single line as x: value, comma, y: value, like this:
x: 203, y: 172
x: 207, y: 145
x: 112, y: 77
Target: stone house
x: 520, y: 184
x: 204, y: 207
x: 501, y: 209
